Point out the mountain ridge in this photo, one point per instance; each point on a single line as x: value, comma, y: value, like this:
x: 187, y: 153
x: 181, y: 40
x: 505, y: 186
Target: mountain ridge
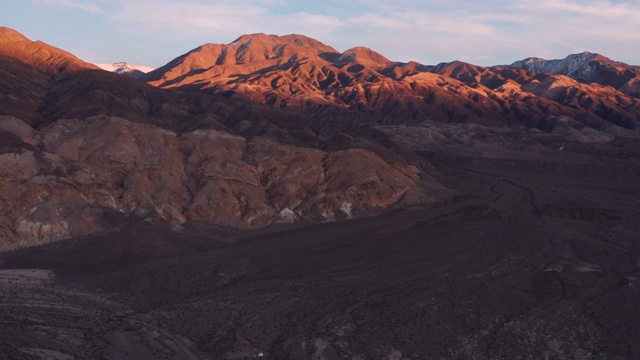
x: 265, y: 95
x: 588, y: 67
x: 567, y: 66
x: 317, y: 80
x: 40, y: 55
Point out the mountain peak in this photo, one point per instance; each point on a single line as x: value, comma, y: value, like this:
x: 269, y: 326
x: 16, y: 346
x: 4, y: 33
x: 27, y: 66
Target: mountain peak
x: 567, y: 66
x: 10, y: 35
x: 124, y: 67
x: 532, y: 60
x: 38, y: 54
x: 272, y: 44
x: 360, y: 50
x: 272, y: 37
x: 365, y: 56
x: 258, y: 49
x: 587, y: 67
x: 253, y: 37
x: 583, y: 56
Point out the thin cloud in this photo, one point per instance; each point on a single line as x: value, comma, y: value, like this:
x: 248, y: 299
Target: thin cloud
x: 381, y: 21
x: 223, y: 21
x: 309, y: 19
x: 405, y: 29
x: 600, y: 26
x: 593, y: 8
x: 70, y: 4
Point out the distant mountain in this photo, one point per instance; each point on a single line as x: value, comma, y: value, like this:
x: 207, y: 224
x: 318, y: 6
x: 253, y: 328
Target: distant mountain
x: 253, y: 51
x: 569, y: 66
x: 588, y: 67
x: 296, y: 72
x: 39, y: 55
x: 27, y: 69
x: 124, y: 68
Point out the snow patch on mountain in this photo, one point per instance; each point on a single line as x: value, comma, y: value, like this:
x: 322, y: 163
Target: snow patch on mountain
x: 124, y: 67
x: 567, y: 66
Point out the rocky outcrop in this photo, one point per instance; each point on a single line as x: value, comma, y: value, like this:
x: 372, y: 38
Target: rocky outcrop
x: 77, y: 176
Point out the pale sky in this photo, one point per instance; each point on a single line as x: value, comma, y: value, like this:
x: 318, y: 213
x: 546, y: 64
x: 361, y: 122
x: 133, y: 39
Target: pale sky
x: 153, y: 32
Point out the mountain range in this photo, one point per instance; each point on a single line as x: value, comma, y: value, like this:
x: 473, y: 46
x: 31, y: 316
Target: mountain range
x: 276, y: 198
x: 271, y: 129
x: 86, y: 149
x: 589, y: 68
x: 300, y: 73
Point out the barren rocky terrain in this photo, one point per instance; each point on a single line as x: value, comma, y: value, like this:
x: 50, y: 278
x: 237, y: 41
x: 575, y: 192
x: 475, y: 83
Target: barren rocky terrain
x: 531, y: 261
